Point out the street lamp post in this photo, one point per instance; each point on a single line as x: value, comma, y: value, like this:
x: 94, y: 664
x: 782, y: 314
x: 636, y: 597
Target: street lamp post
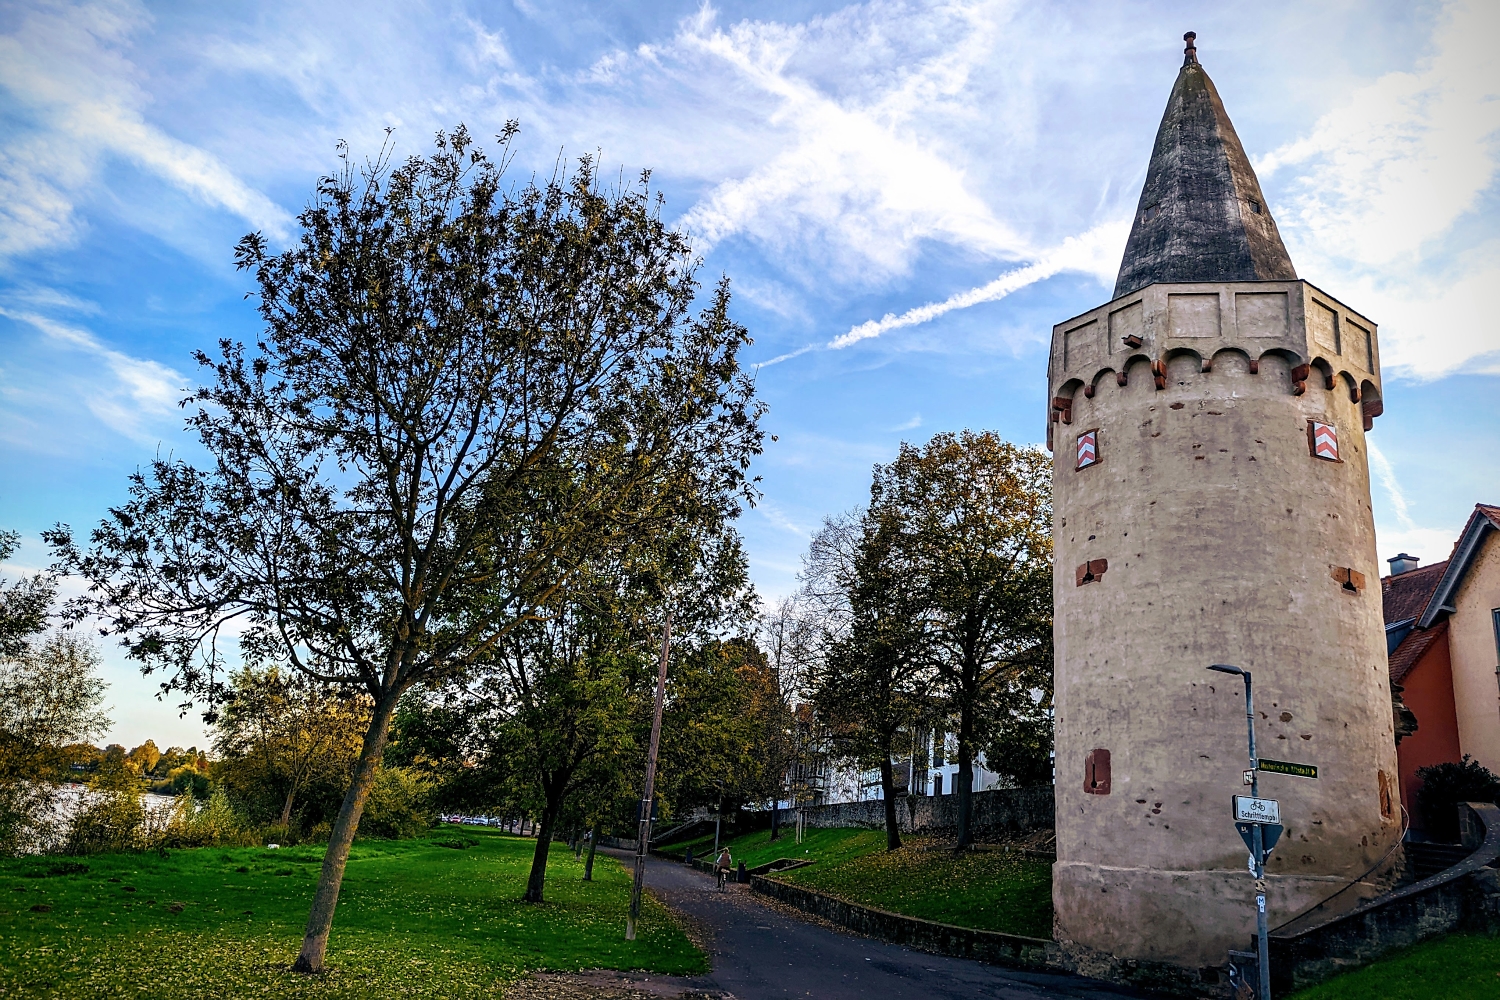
x: 648, y: 797
x: 1257, y: 851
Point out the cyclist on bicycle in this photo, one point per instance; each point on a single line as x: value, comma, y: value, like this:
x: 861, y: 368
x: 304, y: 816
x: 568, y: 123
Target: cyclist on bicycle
x: 723, y: 866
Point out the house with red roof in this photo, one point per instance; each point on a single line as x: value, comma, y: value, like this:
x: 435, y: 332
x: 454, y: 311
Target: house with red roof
x: 1442, y: 627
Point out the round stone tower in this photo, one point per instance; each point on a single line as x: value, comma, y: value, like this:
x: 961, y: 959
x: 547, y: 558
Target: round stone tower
x: 1212, y: 505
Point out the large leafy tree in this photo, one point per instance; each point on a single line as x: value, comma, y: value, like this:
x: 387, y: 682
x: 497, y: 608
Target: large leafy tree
x: 723, y: 731
x: 50, y: 698
x: 24, y: 603
x: 790, y: 636
x: 379, y: 508
x: 564, y: 689
x: 576, y: 686
x: 975, y: 520
x: 871, y: 681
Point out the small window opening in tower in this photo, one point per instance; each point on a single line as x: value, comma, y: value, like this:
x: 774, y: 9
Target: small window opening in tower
x: 1349, y: 579
x: 1254, y: 206
x: 1096, y: 772
x: 1152, y: 211
x: 1090, y: 571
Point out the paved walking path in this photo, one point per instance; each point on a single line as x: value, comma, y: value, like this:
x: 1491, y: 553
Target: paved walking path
x: 761, y: 953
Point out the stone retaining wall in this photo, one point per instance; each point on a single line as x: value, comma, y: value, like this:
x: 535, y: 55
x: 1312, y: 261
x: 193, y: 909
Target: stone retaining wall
x: 1465, y: 897
x: 923, y: 935
x: 998, y: 813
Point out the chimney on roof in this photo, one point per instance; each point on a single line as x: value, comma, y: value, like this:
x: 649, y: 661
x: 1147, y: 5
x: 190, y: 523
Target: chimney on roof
x: 1402, y: 563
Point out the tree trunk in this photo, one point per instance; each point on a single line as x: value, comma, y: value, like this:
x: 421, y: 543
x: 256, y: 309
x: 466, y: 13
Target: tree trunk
x: 286, y: 809
x: 965, y: 776
x: 320, y: 920
x: 888, y: 789
x: 588, y: 866
x: 538, y: 879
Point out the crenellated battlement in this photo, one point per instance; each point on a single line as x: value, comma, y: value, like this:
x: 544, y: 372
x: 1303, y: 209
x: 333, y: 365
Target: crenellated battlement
x: 1140, y: 334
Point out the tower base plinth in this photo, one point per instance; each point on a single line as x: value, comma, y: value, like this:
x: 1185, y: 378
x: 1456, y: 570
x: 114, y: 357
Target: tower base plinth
x: 1190, y: 919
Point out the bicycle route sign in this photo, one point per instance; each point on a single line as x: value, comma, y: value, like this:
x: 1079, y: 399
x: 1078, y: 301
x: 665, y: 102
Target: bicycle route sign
x: 1252, y: 810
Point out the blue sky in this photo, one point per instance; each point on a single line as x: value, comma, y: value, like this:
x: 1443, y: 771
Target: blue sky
x: 905, y: 196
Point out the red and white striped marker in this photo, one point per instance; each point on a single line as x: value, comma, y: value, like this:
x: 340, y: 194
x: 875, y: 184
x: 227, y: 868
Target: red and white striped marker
x: 1325, y: 441
x: 1088, y: 449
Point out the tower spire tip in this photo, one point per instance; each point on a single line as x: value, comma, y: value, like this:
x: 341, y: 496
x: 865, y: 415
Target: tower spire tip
x: 1190, y: 53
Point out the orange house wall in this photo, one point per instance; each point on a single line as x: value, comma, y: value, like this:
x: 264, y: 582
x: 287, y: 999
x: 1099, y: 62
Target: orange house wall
x: 1429, y: 694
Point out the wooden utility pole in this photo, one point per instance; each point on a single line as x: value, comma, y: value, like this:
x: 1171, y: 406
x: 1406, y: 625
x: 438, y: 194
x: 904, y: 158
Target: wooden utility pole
x: 643, y: 834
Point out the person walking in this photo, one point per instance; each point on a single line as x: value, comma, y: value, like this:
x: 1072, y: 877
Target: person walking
x: 722, y: 867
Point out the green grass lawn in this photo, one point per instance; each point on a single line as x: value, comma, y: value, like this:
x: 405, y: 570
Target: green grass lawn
x: 415, y: 919
x: 827, y: 846
x: 1456, y: 967
x: 990, y: 890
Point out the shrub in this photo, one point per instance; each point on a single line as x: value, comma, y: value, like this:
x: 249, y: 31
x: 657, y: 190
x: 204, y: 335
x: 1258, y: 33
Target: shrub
x: 107, y: 820
x: 1446, y: 785
x: 398, y: 806
x: 115, y: 820
x: 209, y: 824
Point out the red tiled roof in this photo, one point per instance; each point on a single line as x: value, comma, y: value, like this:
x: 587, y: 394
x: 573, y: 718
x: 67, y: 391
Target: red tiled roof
x: 1406, y: 595
x: 1417, y: 642
x: 1484, y: 521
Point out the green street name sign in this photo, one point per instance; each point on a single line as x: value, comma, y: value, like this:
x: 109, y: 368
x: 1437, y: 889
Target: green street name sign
x: 1286, y: 767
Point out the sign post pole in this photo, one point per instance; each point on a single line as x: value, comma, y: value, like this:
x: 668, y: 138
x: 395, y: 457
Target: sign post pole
x: 1257, y: 842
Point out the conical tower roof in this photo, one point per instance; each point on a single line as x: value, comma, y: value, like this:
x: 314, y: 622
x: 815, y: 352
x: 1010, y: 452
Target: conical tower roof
x: 1201, y: 216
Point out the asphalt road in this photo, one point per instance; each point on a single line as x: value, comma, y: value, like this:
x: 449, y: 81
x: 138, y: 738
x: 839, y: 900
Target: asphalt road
x: 761, y: 953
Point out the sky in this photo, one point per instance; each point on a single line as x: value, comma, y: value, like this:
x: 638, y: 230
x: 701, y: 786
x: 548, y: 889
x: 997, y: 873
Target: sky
x: 905, y: 197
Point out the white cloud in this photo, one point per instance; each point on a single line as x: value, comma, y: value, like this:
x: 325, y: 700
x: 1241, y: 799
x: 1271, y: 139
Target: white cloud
x: 64, y: 68
x: 1428, y: 544
x: 1095, y: 252
x: 777, y: 517
x: 1387, y: 182
x: 139, y: 392
x: 789, y: 355
x: 37, y: 176
x: 859, y: 173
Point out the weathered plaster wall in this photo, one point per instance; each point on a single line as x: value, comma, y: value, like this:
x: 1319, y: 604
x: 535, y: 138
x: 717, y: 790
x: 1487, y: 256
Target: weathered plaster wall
x: 1224, y: 540
x: 1471, y: 643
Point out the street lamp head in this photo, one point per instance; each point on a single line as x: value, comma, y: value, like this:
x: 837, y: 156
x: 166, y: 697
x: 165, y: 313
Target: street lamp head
x: 1225, y: 668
